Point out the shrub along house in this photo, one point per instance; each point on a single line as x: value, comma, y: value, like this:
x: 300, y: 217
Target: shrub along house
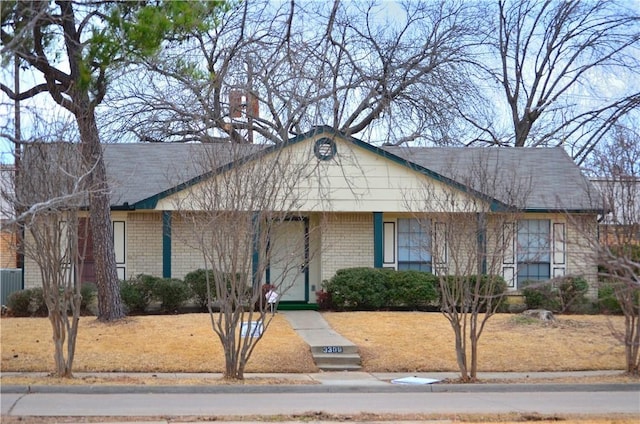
x: 525, y: 214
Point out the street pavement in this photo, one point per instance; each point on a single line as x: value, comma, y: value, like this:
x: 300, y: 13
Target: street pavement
x: 328, y: 393
x: 273, y: 404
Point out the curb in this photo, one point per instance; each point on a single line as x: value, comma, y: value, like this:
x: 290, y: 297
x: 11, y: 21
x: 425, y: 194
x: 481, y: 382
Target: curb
x: 348, y: 388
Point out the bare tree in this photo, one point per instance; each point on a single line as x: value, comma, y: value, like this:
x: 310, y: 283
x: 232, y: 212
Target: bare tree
x: 390, y: 72
x: 617, y: 166
x: 49, y: 195
x: 76, y: 48
x: 568, y: 72
x: 468, y: 232
x: 245, y: 222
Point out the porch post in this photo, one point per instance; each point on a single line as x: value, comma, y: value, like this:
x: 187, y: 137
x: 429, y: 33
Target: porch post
x: 378, y: 242
x: 166, y: 244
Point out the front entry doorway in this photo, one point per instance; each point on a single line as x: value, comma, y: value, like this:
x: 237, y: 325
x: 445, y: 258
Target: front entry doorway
x: 288, y: 264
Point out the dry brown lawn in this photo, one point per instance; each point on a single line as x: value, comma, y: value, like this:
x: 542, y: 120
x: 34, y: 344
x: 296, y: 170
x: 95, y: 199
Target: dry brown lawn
x: 403, y: 342
x: 161, y: 343
x: 388, y: 342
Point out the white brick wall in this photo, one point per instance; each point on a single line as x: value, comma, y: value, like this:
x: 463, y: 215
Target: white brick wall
x: 144, y: 244
x: 185, y: 257
x: 347, y: 241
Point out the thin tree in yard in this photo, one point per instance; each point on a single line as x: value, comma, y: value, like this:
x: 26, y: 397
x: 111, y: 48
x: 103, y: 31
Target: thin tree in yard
x: 565, y: 71
x: 76, y: 49
x: 617, y: 166
x: 50, y: 193
x: 241, y: 219
x: 466, y: 245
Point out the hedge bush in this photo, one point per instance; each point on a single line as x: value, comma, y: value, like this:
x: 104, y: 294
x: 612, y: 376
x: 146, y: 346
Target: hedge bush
x: 19, y: 302
x: 607, y: 300
x: 358, y: 289
x: 138, y: 292
x: 197, y: 282
x: 132, y: 297
x: 172, y: 293
x: 243, y: 293
x: 572, y: 293
x: 28, y: 303
x: 565, y: 295
x: 376, y: 288
x: 38, y: 305
x: 539, y: 296
x: 411, y: 289
x: 88, y: 291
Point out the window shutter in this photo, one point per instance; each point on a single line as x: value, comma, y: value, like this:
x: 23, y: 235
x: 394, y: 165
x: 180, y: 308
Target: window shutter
x: 119, y: 245
x: 440, y: 248
x: 558, y: 243
x: 509, y: 257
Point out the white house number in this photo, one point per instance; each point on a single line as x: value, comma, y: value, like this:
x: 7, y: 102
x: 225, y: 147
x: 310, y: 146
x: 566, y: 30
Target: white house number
x: 332, y: 349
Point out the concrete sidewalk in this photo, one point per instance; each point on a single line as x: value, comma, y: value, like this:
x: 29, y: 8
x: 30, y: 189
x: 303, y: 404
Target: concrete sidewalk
x: 324, y: 382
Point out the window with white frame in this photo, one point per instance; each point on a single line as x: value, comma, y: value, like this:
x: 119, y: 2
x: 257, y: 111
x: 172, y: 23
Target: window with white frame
x: 414, y: 244
x: 533, y: 250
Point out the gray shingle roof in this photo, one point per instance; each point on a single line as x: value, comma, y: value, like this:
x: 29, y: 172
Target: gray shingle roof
x: 138, y: 171
x: 542, y: 178
x: 531, y: 178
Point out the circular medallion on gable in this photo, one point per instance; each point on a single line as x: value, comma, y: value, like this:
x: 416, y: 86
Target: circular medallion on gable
x: 325, y: 148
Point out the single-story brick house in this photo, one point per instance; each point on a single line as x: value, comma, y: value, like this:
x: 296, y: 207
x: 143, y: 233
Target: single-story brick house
x: 524, y: 213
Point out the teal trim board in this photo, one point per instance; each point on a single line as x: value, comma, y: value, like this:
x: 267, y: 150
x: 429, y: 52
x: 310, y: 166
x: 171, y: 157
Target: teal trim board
x: 378, y: 241
x: 166, y: 244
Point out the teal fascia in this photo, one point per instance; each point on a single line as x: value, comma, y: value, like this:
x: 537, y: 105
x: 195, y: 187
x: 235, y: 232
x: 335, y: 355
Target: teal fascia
x: 166, y: 244
x: 378, y: 242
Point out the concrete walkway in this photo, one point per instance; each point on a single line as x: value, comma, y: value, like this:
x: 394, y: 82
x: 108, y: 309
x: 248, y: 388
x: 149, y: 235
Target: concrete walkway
x: 314, y: 330
x: 331, y: 351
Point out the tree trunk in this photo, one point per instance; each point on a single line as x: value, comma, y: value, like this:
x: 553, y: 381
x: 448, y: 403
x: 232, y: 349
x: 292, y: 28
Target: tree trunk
x: 474, y: 356
x: 632, y: 343
x: 110, y: 306
x: 231, y: 371
x: 461, y: 354
x: 522, y: 128
x: 63, y: 365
